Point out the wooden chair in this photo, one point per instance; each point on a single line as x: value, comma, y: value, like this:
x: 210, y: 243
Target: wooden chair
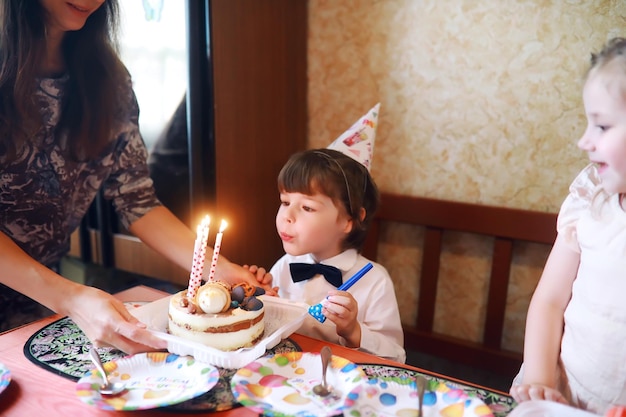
x: 506, y: 226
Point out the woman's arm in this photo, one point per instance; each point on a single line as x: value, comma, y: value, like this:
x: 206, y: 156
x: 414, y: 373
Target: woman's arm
x: 102, y: 317
x: 544, y: 325
x: 166, y: 234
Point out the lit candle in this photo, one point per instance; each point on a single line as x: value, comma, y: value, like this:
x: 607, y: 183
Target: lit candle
x: 199, y: 253
x: 216, y: 250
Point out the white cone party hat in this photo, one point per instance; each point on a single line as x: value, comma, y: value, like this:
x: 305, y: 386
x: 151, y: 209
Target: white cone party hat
x: 358, y: 141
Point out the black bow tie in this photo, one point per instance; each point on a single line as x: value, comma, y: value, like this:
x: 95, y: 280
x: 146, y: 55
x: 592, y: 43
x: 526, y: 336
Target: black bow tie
x: 302, y: 272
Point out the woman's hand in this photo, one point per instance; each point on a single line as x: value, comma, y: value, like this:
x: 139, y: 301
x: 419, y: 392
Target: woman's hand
x: 341, y: 308
x: 263, y: 278
x: 102, y: 317
x: 527, y: 392
x: 106, y: 322
x: 252, y: 274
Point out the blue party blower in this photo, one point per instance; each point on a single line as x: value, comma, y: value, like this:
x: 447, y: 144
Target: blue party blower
x: 316, y: 310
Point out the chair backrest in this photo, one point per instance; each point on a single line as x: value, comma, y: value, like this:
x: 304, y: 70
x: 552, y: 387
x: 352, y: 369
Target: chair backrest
x: 505, y: 226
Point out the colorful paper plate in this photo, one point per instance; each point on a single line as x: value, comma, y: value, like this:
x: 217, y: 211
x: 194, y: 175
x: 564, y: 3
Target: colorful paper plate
x: 499, y: 403
x: 281, y: 385
x: 5, y: 377
x: 154, y: 379
x: 398, y: 397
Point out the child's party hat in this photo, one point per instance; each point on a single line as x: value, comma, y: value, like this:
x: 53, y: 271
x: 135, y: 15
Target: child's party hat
x: 358, y: 141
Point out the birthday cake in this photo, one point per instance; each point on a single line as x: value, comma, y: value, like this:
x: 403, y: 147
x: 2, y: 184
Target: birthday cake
x: 223, y: 317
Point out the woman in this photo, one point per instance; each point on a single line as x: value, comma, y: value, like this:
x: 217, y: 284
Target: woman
x: 68, y: 128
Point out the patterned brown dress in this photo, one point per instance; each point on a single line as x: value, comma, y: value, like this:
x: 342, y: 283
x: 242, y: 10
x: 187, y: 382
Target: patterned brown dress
x: 44, y: 194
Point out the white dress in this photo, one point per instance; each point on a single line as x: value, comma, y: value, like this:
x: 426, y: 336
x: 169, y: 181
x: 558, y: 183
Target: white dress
x: 378, y: 315
x: 593, y: 347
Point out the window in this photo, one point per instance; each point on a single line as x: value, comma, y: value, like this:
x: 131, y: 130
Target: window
x: 153, y: 48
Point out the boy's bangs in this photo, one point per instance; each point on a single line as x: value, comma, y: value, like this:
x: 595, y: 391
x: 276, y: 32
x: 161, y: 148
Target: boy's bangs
x: 313, y: 179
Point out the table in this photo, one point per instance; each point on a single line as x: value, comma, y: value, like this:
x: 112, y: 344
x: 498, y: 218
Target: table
x: 34, y: 390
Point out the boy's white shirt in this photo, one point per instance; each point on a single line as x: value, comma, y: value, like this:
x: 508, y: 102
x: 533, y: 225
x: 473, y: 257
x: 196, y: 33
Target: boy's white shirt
x: 378, y: 315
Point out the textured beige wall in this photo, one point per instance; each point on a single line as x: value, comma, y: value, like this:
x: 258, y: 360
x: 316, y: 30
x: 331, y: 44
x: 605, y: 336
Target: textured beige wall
x: 480, y: 102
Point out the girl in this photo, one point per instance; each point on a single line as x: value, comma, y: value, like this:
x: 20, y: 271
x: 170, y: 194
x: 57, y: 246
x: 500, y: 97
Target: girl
x: 68, y: 127
x: 574, y: 349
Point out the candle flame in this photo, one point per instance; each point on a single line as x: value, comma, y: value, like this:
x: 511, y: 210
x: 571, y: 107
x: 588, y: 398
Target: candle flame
x: 223, y: 225
x: 204, y: 223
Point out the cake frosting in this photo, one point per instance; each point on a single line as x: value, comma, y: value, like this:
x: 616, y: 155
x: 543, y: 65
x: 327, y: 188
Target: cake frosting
x: 219, y: 316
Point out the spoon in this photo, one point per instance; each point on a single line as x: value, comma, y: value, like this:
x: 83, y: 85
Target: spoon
x: 421, y: 387
x: 322, y: 389
x: 106, y: 388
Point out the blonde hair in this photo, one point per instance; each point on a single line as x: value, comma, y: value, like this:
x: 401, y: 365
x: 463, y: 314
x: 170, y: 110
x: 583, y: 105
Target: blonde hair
x: 613, y: 51
x: 610, y: 64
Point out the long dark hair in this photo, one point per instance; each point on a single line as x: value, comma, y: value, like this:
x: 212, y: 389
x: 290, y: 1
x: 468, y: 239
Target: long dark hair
x: 343, y: 179
x: 96, y: 76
